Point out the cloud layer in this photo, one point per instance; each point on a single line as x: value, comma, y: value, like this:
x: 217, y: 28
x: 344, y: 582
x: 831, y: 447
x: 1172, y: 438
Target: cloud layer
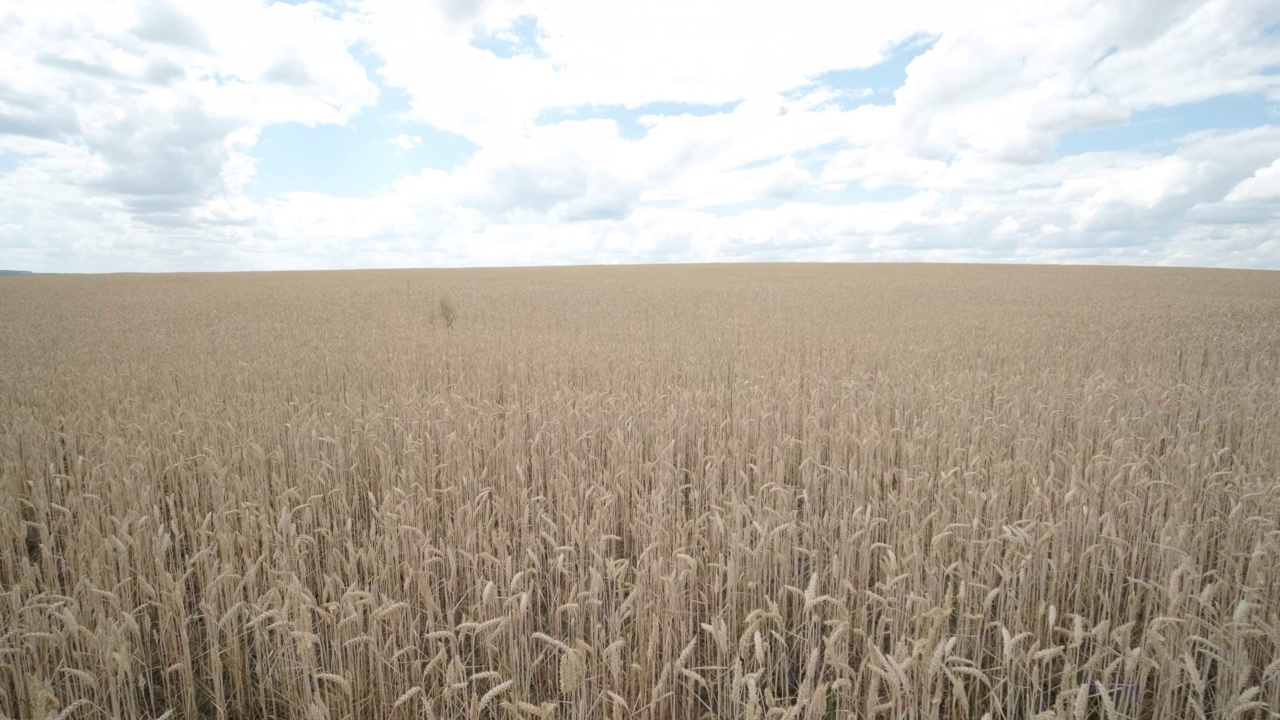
x: 139, y: 135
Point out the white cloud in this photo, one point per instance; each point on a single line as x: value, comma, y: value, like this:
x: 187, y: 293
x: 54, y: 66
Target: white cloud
x: 406, y: 142
x: 1262, y: 186
x: 142, y: 115
x: 1008, y: 88
x: 128, y: 132
x: 631, y: 54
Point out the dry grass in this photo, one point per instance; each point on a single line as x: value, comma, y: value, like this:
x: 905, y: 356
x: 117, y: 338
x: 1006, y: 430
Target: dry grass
x: 685, y: 492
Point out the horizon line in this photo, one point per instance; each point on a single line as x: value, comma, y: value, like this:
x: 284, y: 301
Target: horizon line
x: 673, y: 263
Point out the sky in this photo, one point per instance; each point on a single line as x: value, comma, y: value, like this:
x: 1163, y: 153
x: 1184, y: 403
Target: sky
x: 175, y: 135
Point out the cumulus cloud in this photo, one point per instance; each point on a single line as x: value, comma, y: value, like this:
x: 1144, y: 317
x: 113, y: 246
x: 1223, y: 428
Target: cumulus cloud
x: 289, y: 69
x: 142, y: 116
x: 130, y: 132
x: 162, y: 22
x: 1261, y: 187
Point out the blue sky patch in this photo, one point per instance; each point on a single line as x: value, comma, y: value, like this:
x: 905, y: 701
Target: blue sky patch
x: 1158, y: 129
x: 359, y: 159
x: 873, y: 85
x: 813, y: 159
x: 9, y: 162
x: 518, y: 40
x: 628, y: 118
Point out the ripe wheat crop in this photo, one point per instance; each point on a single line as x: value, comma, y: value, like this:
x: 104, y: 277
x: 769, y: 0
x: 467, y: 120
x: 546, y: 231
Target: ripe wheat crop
x: 683, y: 492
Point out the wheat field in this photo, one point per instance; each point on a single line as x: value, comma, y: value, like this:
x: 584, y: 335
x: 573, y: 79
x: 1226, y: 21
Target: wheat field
x: 742, y: 491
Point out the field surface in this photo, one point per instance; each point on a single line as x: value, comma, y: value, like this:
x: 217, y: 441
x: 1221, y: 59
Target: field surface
x: 793, y: 491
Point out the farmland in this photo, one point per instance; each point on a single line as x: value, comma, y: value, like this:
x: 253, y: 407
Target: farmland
x: 747, y: 491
